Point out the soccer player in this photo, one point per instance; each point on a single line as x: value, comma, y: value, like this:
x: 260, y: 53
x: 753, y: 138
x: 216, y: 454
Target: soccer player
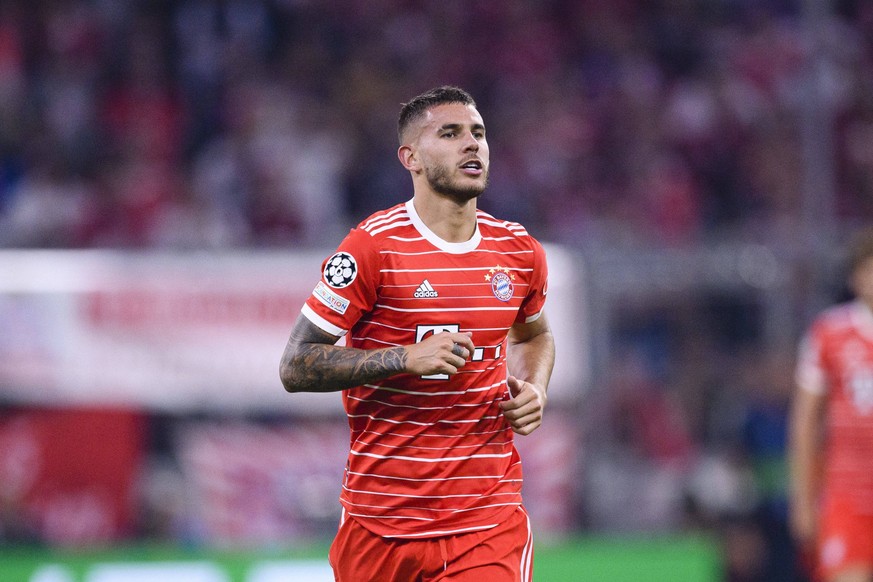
x: 831, y: 431
x: 447, y: 353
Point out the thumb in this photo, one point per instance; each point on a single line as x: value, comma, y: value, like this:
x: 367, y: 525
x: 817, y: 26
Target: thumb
x: 514, y: 385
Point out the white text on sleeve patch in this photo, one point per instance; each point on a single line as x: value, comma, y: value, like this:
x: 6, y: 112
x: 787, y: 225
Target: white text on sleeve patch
x: 331, y: 299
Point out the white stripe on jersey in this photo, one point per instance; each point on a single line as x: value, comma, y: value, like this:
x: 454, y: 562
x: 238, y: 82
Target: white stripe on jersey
x: 441, y: 421
x: 512, y: 227
x: 446, y: 309
x: 441, y: 252
x: 444, y: 297
x: 420, y: 448
x: 382, y: 218
x: 389, y: 226
x: 440, y: 460
x: 439, y: 479
x: 433, y: 509
x: 453, y: 495
x: 393, y: 405
x: 447, y: 270
x: 439, y: 436
x: 372, y: 322
x: 447, y: 393
x: 527, y: 553
x: 444, y: 532
x: 379, y: 323
x: 378, y: 341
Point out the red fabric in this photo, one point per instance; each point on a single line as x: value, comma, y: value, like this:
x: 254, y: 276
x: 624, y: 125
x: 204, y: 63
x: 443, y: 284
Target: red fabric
x: 502, y: 553
x: 431, y: 456
x: 845, y: 539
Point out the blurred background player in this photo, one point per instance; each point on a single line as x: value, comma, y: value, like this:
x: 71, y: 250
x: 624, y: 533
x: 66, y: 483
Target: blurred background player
x: 831, y: 449
x: 448, y: 352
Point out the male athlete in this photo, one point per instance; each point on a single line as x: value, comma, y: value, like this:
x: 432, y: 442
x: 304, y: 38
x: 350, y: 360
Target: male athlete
x: 832, y: 510
x: 448, y: 352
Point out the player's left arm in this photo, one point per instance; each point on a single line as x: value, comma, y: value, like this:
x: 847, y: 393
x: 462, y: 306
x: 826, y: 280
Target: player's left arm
x: 530, y: 357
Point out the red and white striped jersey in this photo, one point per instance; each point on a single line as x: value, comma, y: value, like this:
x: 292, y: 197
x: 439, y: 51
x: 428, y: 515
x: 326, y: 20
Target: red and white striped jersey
x: 430, y: 456
x: 836, y: 360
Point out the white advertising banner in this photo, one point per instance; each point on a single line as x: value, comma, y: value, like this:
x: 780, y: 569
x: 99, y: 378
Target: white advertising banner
x: 190, y: 331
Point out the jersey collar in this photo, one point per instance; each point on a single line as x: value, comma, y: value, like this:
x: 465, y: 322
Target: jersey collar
x: 449, y: 247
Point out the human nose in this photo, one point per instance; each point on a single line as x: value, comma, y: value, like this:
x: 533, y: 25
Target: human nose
x: 471, y: 142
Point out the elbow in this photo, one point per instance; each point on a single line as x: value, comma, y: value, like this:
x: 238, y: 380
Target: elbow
x: 290, y: 381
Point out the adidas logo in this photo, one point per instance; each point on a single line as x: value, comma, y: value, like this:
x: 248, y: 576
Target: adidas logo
x: 425, y: 291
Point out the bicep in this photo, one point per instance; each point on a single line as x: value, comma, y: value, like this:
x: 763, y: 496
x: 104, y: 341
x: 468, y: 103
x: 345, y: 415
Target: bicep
x: 303, y: 334
x: 522, y: 332
x: 807, y: 415
x: 306, y: 332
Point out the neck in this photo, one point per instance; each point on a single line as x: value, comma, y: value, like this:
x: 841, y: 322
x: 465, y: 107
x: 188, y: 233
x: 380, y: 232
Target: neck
x: 452, y: 220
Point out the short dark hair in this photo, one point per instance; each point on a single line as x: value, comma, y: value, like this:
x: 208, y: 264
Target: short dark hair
x: 860, y: 248
x: 417, y: 106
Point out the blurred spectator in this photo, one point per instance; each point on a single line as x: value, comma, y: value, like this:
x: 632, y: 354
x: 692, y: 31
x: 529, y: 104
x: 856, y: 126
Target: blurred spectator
x: 198, y: 123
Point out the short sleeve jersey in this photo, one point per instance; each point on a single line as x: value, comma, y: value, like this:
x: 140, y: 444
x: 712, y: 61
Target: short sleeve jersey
x: 836, y: 360
x: 430, y: 456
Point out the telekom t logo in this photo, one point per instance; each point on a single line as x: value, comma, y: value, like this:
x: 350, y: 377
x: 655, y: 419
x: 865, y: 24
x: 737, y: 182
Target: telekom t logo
x: 425, y: 331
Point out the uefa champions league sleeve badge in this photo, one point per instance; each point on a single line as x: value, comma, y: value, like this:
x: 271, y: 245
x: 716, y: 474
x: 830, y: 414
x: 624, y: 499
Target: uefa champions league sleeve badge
x: 340, y: 270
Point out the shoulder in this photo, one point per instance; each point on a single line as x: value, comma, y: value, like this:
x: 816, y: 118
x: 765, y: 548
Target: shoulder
x: 505, y: 231
x: 375, y: 232
x: 837, y: 317
x: 835, y: 324
x: 381, y: 224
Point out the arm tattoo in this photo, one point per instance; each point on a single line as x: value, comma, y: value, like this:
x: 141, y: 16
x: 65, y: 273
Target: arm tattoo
x: 312, y: 363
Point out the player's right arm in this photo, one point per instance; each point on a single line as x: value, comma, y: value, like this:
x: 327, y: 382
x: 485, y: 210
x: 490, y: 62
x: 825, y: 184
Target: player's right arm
x: 312, y: 363
x: 805, y: 436
x: 807, y: 412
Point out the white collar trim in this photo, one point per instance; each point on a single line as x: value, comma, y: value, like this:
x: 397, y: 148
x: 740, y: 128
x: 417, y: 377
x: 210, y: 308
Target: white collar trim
x: 449, y: 247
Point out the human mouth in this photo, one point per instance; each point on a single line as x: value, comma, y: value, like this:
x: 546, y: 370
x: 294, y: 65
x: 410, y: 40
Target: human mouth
x: 473, y: 167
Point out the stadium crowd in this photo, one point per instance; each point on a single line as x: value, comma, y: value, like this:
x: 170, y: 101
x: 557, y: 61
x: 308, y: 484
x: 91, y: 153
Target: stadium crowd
x: 225, y: 124
x: 207, y: 124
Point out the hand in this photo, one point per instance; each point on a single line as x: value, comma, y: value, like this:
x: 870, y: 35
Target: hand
x: 524, y: 409
x: 802, y: 521
x: 441, y: 353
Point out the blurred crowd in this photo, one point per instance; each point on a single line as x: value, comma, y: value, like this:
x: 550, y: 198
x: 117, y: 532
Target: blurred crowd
x: 263, y: 123
x: 224, y: 124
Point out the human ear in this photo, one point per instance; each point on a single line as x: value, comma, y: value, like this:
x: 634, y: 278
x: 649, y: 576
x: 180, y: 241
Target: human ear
x: 406, y: 155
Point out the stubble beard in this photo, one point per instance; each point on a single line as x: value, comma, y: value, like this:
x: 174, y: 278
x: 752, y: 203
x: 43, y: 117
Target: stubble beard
x: 440, y: 182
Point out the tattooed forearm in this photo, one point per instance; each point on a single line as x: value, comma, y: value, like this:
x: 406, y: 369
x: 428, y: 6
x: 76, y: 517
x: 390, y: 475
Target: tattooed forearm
x: 322, y: 368
x: 311, y: 363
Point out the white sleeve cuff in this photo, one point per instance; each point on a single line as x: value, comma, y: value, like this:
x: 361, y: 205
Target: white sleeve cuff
x: 321, y: 322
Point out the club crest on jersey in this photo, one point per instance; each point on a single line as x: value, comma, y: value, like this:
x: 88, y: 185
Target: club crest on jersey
x: 340, y: 270
x: 501, y: 282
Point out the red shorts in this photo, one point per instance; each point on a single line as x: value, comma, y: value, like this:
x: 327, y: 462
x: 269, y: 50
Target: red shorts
x: 845, y: 537
x: 501, y: 554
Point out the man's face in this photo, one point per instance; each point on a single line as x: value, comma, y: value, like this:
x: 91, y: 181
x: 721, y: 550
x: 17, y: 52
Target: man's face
x: 453, y: 151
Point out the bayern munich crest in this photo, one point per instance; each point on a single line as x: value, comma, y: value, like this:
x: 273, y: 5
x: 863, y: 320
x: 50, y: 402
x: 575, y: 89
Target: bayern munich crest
x: 340, y: 270
x: 501, y: 282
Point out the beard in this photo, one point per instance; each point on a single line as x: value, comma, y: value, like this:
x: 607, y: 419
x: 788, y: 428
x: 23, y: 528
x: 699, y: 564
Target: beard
x: 440, y: 181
